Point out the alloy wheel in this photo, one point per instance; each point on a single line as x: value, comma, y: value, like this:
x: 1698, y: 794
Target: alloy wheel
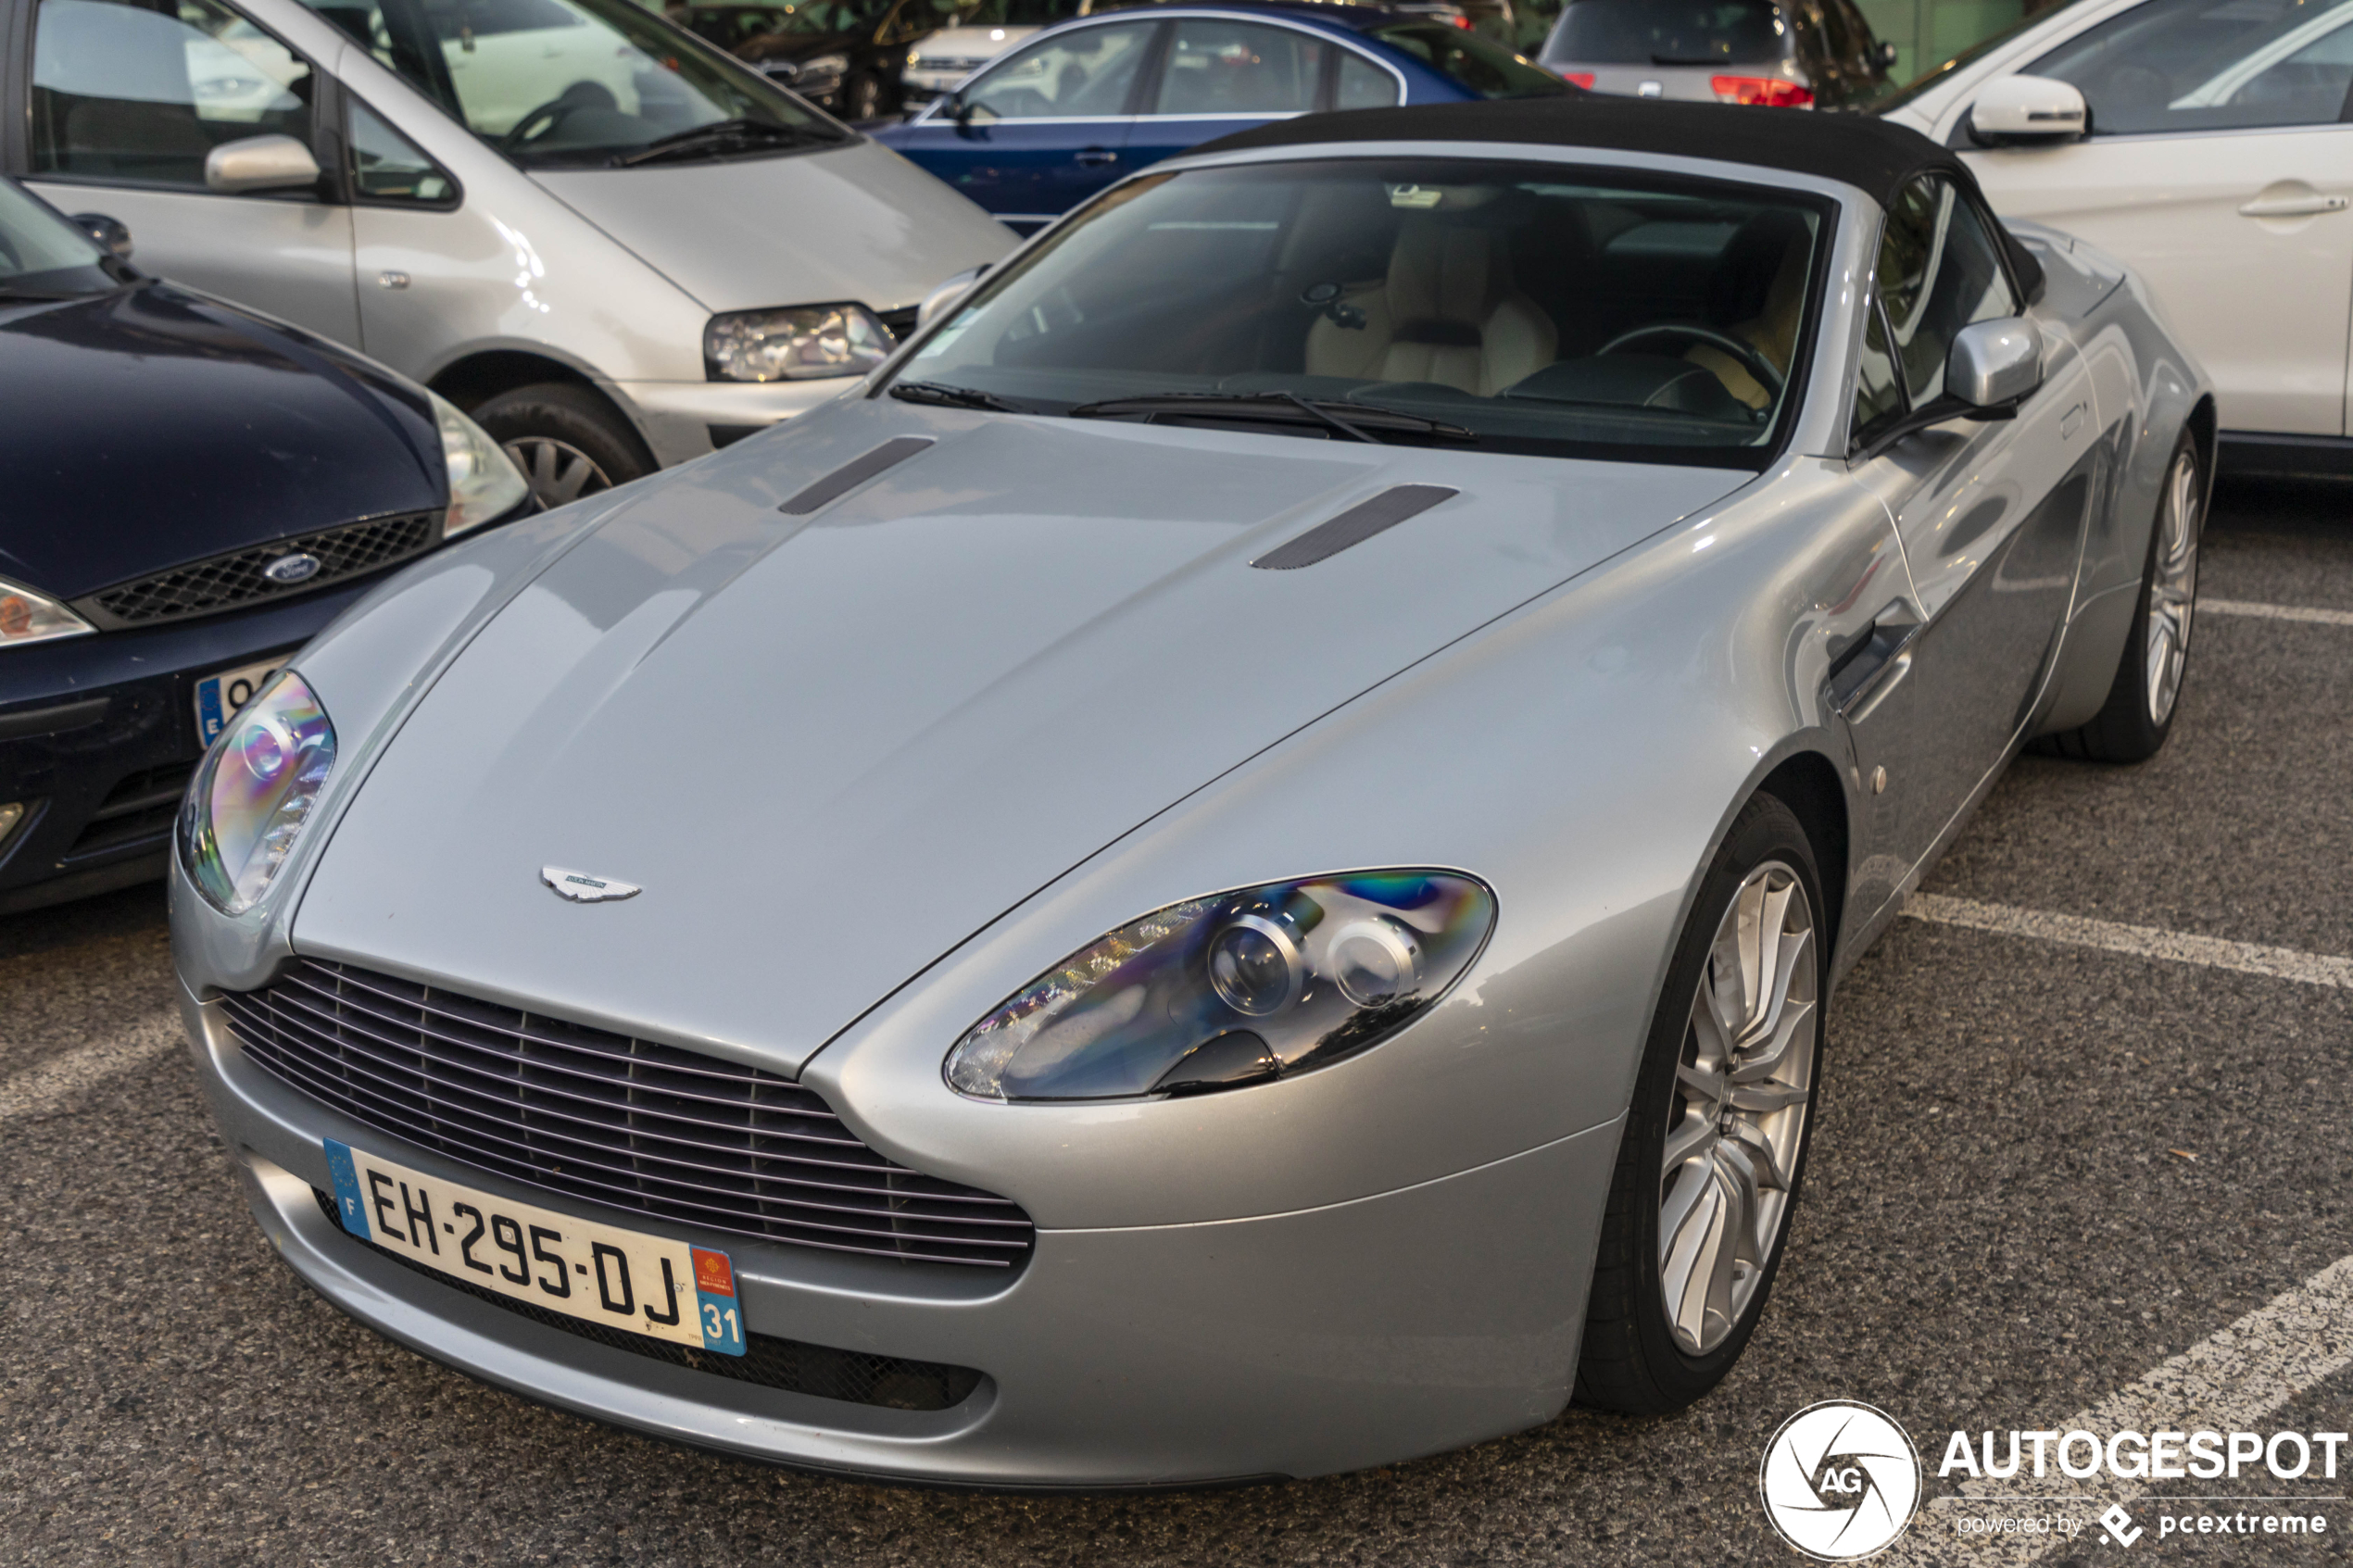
x: 1737, y: 1120
x: 558, y: 470
x: 2172, y: 587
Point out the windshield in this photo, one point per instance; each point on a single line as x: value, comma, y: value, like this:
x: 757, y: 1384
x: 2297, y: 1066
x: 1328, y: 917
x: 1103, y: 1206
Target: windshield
x: 1535, y: 308
x: 1473, y: 60
x: 557, y: 82
x: 43, y: 254
x: 1669, y: 32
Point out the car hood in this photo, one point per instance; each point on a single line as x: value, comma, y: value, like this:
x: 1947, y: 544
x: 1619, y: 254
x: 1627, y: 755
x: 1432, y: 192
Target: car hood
x: 853, y: 222
x: 829, y: 749
x: 151, y: 426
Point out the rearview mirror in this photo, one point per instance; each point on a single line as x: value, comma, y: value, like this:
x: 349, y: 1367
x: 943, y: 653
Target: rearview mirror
x: 259, y: 163
x: 943, y: 298
x: 2026, y: 110
x: 1994, y: 365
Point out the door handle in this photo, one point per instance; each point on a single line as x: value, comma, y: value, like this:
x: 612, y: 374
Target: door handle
x: 2292, y: 206
x: 1096, y: 157
x: 1872, y: 662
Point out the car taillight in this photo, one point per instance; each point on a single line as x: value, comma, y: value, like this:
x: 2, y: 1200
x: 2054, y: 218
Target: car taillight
x: 1462, y: 21
x: 1769, y: 91
x: 1579, y: 78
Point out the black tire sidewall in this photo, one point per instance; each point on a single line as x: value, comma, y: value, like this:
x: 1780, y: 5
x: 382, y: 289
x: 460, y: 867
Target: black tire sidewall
x: 573, y: 415
x: 1765, y: 829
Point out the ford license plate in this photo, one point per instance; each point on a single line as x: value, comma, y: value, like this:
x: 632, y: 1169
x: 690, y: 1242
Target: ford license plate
x: 599, y: 1274
x: 220, y: 694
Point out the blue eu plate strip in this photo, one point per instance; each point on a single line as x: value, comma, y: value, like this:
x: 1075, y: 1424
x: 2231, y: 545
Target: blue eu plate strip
x: 209, y: 718
x: 347, y: 1200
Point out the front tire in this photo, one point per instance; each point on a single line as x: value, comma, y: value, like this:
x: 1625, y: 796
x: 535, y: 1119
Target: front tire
x: 568, y: 442
x: 1714, y: 1151
x: 2138, y: 715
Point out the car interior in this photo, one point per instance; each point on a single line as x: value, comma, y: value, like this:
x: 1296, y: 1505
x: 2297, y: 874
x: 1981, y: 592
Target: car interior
x: 1507, y: 301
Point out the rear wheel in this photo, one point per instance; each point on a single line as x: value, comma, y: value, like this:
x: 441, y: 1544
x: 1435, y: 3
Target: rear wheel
x: 1714, y: 1142
x: 568, y: 441
x: 2138, y: 714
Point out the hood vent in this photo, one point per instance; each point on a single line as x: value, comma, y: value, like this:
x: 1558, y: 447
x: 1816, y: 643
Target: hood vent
x: 1353, y: 526
x: 853, y: 473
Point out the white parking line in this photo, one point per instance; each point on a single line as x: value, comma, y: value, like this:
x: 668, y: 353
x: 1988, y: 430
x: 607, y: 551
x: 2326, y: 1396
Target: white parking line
x: 2229, y: 1381
x: 2276, y: 612
x: 2143, y: 941
x: 55, y: 1083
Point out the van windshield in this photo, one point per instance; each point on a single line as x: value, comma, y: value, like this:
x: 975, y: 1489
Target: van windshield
x: 1509, y: 307
x: 556, y: 83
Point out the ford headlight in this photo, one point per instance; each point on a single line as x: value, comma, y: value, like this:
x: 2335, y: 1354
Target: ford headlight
x: 1232, y: 989
x: 484, y: 482
x: 253, y: 791
x: 28, y: 617
x: 799, y: 342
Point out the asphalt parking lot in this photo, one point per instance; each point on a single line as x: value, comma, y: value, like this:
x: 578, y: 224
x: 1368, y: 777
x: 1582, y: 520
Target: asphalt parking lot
x: 2044, y: 1167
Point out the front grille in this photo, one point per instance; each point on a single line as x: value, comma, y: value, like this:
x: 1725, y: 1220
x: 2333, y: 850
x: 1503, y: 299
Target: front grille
x: 138, y: 809
x: 900, y: 322
x: 235, y: 579
x: 632, y: 1123
x: 858, y: 1376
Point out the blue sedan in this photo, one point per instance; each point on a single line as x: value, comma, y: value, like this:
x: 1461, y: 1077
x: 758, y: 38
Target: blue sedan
x: 1086, y: 102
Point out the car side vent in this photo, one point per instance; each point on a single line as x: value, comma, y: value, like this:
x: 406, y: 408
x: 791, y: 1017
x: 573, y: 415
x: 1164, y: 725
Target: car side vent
x: 1354, y: 526
x: 855, y: 473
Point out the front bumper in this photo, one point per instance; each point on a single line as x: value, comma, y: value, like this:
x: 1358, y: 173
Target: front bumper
x: 682, y: 419
x: 1292, y: 1343
x: 99, y: 735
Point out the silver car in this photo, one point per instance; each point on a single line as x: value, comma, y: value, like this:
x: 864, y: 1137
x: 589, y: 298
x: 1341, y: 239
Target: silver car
x: 1771, y: 53
x: 1233, y: 869
x: 612, y: 245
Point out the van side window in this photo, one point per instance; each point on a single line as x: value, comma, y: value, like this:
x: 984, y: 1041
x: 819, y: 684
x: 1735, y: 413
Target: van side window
x: 386, y: 166
x: 124, y: 93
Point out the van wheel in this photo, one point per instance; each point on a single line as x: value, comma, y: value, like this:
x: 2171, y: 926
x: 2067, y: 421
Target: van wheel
x: 568, y: 441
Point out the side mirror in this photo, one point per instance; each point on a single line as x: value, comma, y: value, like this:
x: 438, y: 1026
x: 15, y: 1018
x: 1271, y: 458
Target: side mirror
x: 2028, y: 110
x: 259, y: 163
x: 110, y: 233
x: 959, y: 109
x: 943, y: 297
x: 1994, y: 365
x: 1885, y: 54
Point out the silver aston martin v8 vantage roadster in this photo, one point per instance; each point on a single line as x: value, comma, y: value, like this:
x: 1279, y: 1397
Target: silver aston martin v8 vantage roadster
x: 1231, y: 868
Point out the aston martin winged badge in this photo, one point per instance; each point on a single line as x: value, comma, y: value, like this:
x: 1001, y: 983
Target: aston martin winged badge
x: 582, y: 888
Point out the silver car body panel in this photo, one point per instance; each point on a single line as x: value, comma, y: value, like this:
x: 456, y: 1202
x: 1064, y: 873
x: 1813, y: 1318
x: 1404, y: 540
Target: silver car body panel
x: 611, y: 274
x: 876, y: 768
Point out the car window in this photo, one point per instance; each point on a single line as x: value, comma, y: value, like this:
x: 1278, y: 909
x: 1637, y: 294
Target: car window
x: 1877, y: 396
x: 1364, y: 85
x: 386, y: 166
x: 1220, y: 66
x: 2211, y: 64
x: 556, y: 83
x: 1540, y: 307
x: 1660, y: 32
x: 124, y: 91
x: 1087, y: 73
x: 1471, y: 60
x: 1939, y: 270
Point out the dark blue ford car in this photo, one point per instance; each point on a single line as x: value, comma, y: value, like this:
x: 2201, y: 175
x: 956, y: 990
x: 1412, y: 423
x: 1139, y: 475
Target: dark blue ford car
x: 188, y: 493
x: 1087, y: 101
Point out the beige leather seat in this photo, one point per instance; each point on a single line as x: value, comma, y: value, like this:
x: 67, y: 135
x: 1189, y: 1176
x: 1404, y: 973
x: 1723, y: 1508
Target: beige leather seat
x: 1758, y: 296
x: 1447, y: 312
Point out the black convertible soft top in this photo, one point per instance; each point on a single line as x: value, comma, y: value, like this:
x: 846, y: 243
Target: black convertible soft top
x: 1871, y: 154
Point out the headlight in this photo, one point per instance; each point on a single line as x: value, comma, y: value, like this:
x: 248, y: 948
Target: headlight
x: 799, y: 342
x: 1229, y: 990
x: 253, y: 791
x: 484, y: 482
x: 28, y: 617
x: 820, y: 73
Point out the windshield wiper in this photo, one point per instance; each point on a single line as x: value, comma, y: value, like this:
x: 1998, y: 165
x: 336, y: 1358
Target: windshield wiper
x: 952, y: 396
x: 1356, y: 420
x: 706, y: 139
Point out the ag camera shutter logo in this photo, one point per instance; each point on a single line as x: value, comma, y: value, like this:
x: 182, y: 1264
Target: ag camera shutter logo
x: 1840, y: 1480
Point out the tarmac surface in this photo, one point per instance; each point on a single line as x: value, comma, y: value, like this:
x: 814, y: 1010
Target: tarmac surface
x: 2041, y: 1169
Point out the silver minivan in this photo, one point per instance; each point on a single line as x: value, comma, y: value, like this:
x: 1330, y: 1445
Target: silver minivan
x: 612, y: 245
x: 1777, y: 54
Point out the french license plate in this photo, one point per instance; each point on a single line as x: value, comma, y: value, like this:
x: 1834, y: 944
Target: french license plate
x: 220, y: 695
x: 599, y: 1274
